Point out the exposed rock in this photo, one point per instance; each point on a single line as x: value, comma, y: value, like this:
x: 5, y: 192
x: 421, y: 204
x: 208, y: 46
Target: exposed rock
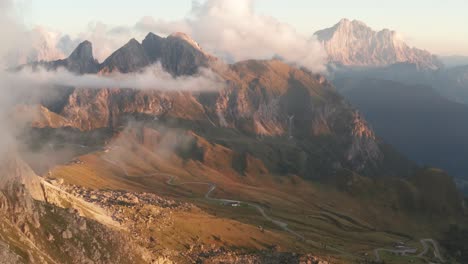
x: 353, y: 43
x: 81, y: 60
x: 261, y: 98
x: 130, y: 58
x: 67, y: 234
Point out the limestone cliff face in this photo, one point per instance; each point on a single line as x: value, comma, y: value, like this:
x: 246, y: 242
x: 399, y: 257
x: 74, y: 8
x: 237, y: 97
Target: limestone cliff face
x: 89, y: 109
x: 352, y: 43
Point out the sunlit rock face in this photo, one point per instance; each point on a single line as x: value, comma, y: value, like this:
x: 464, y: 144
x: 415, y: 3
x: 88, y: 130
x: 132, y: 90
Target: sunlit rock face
x: 353, y: 43
x: 259, y: 98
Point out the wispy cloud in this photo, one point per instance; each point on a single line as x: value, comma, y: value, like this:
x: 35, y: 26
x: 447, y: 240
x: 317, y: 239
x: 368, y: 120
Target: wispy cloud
x: 153, y: 77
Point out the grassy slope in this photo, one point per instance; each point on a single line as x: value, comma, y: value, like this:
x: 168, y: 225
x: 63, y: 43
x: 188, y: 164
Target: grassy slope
x: 333, y: 222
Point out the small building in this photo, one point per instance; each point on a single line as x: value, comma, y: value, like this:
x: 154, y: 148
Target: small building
x: 233, y: 204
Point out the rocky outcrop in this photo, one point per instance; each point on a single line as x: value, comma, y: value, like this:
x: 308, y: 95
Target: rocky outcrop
x: 82, y: 60
x: 130, y: 58
x: 15, y: 172
x: 33, y: 231
x: 183, y: 56
x: 353, y: 43
x: 178, y: 54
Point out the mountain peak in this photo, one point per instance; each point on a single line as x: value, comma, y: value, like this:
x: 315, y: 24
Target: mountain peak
x: 151, y: 35
x: 129, y: 58
x: 186, y: 38
x: 133, y: 42
x: 84, y: 52
x: 353, y: 43
x: 153, y: 45
x: 81, y: 60
x: 343, y: 27
x: 346, y: 21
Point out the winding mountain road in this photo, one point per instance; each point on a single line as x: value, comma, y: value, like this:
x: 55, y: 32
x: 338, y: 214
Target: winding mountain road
x: 212, y: 188
x: 284, y: 226
x: 257, y: 207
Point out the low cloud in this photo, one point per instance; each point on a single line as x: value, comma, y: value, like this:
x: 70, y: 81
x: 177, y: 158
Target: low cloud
x: 153, y: 77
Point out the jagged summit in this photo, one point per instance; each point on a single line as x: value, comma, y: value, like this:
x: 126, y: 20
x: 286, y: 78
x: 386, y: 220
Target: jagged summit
x: 347, y: 22
x: 129, y: 58
x: 81, y: 60
x: 178, y: 53
x: 151, y: 35
x: 353, y: 43
x: 84, y: 51
x: 153, y: 45
x: 132, y: 42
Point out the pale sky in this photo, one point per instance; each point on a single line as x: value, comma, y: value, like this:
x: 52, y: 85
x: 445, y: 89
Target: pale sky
x: 440, y: 26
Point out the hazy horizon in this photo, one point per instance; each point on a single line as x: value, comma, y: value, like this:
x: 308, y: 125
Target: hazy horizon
x: 433, y: 30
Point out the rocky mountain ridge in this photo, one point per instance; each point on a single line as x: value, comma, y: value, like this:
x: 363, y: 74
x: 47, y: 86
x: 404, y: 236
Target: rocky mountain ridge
x: 264, y: 98
x: 177, y: 53
x: 261, y: 98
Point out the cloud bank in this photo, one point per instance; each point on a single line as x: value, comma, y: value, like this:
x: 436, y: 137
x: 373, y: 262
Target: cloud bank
x: 153, y: 77
x: 29, y: 87
x: 233, y: 30
x: 229, y: 29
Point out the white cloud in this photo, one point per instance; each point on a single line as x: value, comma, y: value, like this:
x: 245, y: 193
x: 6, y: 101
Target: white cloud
x: 229, y: 29
x: 151, y: 78
x: 232, y: 29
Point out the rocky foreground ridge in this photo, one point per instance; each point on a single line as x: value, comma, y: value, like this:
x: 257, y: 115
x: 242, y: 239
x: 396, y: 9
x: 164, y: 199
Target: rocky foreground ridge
x: 72, y: 224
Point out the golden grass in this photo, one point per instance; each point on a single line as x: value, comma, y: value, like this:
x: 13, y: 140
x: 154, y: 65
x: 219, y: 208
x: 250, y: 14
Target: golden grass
x: 333, y: 222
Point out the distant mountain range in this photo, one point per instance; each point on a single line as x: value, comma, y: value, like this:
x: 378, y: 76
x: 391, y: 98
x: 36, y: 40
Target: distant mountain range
x: 134, y: 56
